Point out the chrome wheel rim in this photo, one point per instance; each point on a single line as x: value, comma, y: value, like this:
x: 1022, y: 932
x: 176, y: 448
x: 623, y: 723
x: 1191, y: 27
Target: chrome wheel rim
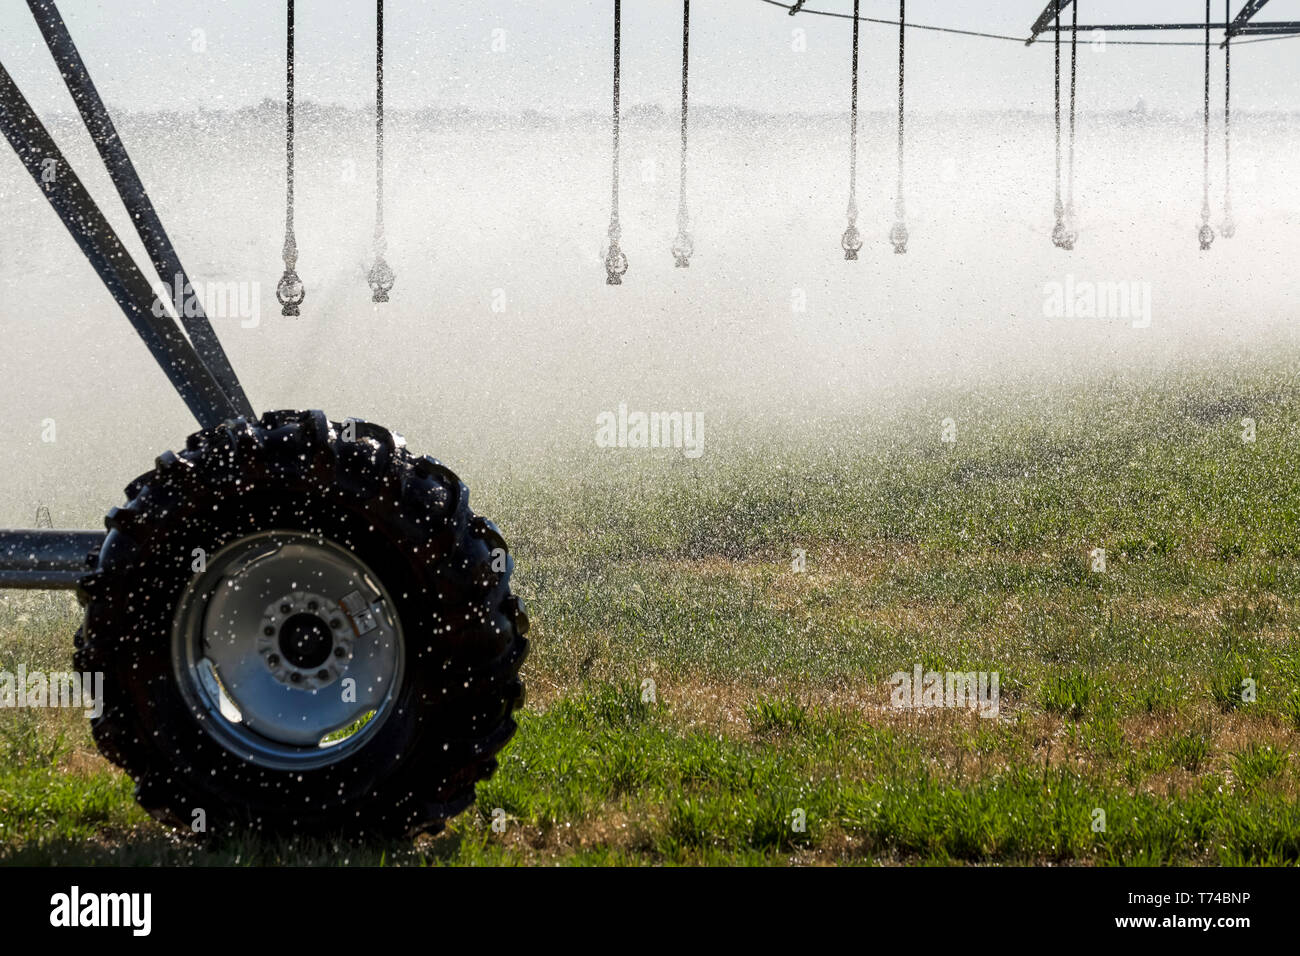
x: 289, y: 650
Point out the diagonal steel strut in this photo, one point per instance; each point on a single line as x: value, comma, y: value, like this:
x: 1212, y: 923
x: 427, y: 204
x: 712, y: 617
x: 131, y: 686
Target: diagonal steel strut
x: 117, y: 270
x: 1046, y: 19
x: 1248, y: 11
x: 135, y: 198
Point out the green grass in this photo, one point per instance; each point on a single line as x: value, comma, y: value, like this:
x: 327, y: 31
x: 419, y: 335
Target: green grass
x: 1069, y: 694
x: 694, y: 699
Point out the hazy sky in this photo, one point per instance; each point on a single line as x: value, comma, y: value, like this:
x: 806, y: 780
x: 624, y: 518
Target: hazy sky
x: 146, y: 54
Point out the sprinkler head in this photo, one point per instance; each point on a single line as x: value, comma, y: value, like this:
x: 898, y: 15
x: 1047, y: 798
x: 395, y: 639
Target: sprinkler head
x: 380, y: 279
x: 615, y: 264
x: 290, y: 291
x: 851, y: 242
x: 1061, y: 236
x: 899, y: 236
x: 683, y: 248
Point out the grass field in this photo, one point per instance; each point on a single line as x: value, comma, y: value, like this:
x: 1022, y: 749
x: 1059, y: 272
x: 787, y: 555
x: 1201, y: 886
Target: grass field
x: 1125, y: 691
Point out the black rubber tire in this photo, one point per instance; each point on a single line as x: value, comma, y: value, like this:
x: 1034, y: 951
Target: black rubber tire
x: 409, y: 520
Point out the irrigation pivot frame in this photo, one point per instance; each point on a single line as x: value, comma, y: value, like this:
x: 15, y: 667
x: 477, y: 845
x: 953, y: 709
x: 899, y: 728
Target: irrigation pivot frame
x: 328, y: 549
x: 1243, y: 24
x: 348, y: 619
x: 1064, y: 232
x: 197, y: 367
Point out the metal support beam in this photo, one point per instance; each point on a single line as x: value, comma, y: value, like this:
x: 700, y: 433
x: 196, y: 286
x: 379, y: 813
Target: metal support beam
x: 105, y: 253
x: 1268, y: 29
x: 132, y: 191
x: 1241, y: 25
x: 1248, y: 11
x: 46, y: 559
x: 1279, y: 27
x: 1140, y: 26
x: 1046, y: 19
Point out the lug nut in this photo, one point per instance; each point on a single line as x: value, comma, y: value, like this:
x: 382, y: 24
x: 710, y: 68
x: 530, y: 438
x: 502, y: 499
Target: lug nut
x: 285, y: 608
x: 322, y: 674
x: 312, y: 605
x: 273, y: 659
x: 295, y: 677
x: 335, y: 623
x: 269, y: 631
x: 340, y: 652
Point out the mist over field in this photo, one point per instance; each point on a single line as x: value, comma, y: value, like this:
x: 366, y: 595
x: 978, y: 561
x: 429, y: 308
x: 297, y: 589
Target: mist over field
x: 1063, y: 481
x: 769, y: 329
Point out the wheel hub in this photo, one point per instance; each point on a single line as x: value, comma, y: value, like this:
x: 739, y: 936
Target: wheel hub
x: 306, y: 640
x: 288, y: 648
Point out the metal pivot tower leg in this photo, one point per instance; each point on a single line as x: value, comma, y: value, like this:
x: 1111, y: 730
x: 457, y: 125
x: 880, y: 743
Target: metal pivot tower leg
x: 197, y: 367
x: 119, y: 273
x: 129, y: 187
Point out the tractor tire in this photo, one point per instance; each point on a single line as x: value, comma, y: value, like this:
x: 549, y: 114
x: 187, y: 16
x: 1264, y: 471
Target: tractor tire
x: 243, y: 582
